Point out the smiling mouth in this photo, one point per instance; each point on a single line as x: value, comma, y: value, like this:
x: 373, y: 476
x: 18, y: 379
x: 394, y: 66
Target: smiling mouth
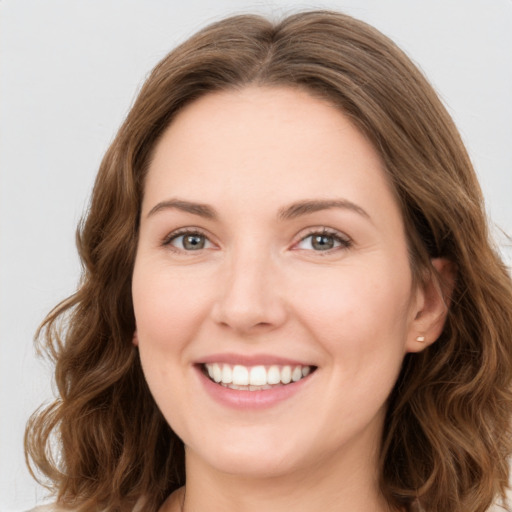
x: 255, y: 378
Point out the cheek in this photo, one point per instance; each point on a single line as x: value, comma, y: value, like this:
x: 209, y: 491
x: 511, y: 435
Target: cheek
x: 359, y: 319
x: 167, y: 307
x: 167, y: 314
x: 359, y: 313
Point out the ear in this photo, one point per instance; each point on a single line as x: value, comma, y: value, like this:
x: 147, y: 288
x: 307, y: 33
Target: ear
x: 135, y: 339
x: 432, y: 303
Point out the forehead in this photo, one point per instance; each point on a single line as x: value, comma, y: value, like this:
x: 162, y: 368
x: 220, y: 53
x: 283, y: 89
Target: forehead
x: 264, y: 143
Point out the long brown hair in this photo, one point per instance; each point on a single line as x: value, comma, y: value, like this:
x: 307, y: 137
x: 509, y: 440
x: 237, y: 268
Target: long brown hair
x: 447, y: 433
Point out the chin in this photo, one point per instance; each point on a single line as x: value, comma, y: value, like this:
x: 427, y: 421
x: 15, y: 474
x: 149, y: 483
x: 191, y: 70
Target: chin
x: 255, y: 467
x: 257, y: 459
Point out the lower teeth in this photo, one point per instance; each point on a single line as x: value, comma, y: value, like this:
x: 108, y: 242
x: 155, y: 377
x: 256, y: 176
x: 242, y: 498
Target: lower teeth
x: 249, y: 388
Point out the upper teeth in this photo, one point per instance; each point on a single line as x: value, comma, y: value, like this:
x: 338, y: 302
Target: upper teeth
x: 239, y: 375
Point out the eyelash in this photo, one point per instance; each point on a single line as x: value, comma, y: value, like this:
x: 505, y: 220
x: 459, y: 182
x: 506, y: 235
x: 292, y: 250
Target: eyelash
x: 167, y: 241
x: 343, y: 240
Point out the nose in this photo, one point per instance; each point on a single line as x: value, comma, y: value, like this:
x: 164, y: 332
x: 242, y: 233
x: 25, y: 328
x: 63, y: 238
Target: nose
x: 251, y: 295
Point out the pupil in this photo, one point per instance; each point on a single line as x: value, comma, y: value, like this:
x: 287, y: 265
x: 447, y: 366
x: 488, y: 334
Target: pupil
x: 193, y: 242
x: 323, y: 242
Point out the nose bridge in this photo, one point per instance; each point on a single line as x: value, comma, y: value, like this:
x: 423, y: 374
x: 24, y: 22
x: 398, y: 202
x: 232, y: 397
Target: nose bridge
x: 249, y: 295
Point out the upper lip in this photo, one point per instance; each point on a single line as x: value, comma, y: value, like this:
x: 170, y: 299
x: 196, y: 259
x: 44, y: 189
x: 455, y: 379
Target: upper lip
x: 251, y: 360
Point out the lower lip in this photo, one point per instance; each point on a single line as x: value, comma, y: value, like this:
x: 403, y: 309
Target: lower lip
x: 241, y: 399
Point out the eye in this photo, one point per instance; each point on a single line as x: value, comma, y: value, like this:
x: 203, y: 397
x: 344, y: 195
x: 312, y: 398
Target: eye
x: 323, y: 241
x: 188, y: 241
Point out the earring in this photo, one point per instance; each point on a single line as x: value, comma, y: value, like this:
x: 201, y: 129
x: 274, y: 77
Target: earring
x: 421, y: 339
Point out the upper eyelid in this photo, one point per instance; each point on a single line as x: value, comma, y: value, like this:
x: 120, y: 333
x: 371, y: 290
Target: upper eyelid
x: 345, y: 242
x: 185, y: 231
x: 325, y: 230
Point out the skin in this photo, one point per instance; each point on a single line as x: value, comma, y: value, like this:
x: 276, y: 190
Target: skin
x: 260, y: 286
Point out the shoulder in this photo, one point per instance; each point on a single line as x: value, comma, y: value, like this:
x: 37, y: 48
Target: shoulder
x: 48, y: 508
x: 53, y: 507
x: 416, y: 507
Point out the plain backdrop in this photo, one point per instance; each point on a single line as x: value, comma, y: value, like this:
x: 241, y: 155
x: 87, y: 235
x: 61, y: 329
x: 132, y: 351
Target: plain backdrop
x: 69, y: 71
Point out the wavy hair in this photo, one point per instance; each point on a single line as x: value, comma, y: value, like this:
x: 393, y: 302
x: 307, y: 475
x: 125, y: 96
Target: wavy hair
x: 104, y: 445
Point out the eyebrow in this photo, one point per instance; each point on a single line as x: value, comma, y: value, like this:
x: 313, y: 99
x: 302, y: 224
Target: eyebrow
x: 292, y: 211
x: 203, y: 210
x: 314, y: 205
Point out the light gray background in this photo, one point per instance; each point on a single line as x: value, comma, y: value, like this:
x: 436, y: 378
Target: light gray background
x: 70, y: 70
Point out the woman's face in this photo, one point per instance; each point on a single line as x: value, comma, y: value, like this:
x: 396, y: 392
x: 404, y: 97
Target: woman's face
x: 271, y: 248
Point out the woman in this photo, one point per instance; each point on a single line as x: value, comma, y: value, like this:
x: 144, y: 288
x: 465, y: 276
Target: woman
x: 289, y: 295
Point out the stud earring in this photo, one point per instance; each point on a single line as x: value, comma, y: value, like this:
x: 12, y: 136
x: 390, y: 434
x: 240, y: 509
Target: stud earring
x: 421, y: 339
